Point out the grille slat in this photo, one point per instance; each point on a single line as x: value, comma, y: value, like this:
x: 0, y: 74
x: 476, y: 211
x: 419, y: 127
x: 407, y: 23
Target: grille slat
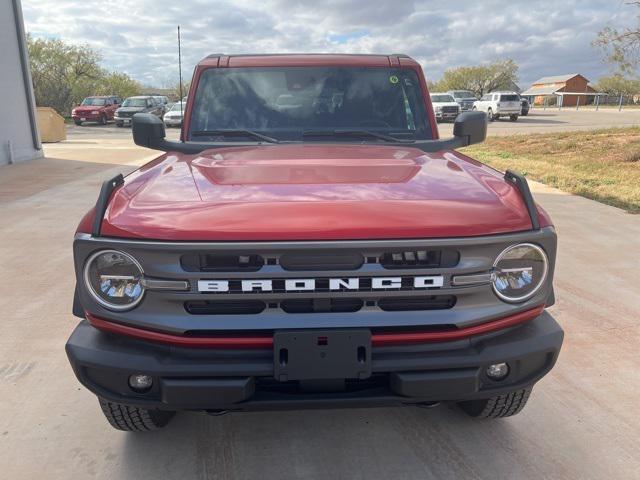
x: 319, y: 305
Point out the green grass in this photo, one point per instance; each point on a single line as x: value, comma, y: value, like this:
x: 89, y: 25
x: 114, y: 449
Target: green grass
x: 603, y: 165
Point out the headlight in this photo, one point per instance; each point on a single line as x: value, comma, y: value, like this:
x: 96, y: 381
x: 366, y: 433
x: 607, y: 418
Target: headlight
x: 519, y: 272
x: 114, y: 279
x: 438, y: 108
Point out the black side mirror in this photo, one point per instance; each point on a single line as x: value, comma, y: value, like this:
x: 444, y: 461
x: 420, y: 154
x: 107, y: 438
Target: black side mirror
x: 148, y: 131
x: 471, y: 127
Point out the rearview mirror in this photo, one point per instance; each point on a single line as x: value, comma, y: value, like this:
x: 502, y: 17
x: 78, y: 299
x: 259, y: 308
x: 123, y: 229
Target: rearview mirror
x: 471, y: 127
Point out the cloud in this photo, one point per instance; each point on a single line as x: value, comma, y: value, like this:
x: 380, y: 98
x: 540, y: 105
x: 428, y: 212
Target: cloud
x: 139, y: 37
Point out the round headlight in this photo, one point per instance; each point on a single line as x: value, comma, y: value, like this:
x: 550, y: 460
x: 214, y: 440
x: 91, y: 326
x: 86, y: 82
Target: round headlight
x: 114, y: 279
x: 519, y: 272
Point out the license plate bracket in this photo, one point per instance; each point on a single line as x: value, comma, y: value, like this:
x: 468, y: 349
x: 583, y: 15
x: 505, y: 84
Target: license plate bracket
x: 321, y: 354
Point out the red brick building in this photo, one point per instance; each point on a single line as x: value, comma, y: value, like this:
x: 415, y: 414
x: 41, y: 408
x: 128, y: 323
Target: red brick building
x: 566, y: 88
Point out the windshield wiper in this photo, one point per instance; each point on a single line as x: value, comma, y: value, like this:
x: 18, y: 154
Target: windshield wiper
x: 228, y: 132
x: 353, y: 133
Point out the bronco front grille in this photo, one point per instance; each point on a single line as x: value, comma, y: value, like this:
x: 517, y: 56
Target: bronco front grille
x: 320, y: 305
x: 319, y: 261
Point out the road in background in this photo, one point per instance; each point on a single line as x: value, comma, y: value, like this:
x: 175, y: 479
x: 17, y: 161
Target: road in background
x: 553, y: 120
x: 581, y: 421
x: 538, y: 121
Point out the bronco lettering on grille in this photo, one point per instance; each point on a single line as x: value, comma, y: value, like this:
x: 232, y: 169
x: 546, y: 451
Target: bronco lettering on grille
x: 309, y: 284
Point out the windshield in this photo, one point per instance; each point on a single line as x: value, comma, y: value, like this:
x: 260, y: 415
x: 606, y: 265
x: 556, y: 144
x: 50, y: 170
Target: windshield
x: 442, y: 98
x: 135, y: 102
x: 285, y: 102
x: 463, y: 94
x: 177, y: 107
x: 95, y: 102
x: 509, y: 98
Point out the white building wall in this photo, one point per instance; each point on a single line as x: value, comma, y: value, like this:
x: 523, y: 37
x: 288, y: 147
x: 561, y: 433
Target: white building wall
x: 18, y: 129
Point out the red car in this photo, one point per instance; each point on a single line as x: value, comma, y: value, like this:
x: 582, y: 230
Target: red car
x: 311, y: 242
x: 95, y: 109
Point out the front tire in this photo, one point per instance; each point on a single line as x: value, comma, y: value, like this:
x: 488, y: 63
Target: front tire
x: 499, y: 406
x: 490, y: 115
x: 103, y: 119
x: 77, y: 122
x: 513, y: 118
x: 134, y: 419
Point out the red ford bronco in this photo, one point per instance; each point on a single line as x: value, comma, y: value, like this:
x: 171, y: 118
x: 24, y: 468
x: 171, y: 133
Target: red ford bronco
x: 310, y: 242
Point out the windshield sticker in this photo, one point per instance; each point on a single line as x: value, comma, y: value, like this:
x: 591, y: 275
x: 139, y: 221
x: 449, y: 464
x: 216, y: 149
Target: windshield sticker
x: 393, y: 79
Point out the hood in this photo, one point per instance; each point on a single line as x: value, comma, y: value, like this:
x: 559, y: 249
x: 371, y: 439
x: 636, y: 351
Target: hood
x: 88, y: 108
x: 313, y: 192
x: 131, y: 109
x: 445, y: 104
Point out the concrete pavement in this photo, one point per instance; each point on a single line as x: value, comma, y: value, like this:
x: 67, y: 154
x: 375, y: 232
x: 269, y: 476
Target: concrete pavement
x: 581, y: 421
x: 554, y: 120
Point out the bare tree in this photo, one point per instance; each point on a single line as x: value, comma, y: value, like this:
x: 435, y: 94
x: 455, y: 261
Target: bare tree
x: 621, y: 47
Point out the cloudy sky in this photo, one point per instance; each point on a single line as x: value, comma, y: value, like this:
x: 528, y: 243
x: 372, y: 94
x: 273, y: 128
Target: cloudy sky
x: 545, y: 37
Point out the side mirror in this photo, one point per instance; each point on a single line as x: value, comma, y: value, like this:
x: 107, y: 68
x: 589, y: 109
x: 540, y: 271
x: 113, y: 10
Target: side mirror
x: 148, y: 131
x: 471, y: 127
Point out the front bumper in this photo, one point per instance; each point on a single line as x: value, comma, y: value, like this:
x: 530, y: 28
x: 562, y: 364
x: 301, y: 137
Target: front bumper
x: 87, y: 117
x: 218, y: 379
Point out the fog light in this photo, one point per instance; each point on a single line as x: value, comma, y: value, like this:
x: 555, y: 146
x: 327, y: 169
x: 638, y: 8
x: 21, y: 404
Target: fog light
x: 140, y: 383
x: 497, y: 371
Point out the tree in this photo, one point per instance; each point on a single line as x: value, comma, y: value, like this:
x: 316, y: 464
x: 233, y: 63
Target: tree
x: 617, y: 85
x: 621, y: 47
x: 63, y: 74
x: 480, y: 79
x: 119, y: 84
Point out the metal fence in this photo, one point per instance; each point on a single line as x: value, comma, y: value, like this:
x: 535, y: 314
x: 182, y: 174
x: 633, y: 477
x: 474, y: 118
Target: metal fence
x: 593, y: 101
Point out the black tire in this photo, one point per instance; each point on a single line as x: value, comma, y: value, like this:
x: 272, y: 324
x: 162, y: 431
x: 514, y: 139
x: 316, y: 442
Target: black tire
x: 134, y: 419
x: 513, y: 118
x: 77, y: 122
x: 524, y: 113
x: 490, y: 115
x: 103, y: 119
x: 499, y: 406
x: 119, y: 125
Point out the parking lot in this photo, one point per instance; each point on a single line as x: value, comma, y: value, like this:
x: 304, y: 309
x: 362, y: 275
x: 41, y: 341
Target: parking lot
x: 538, y: 121
x: 581, y: 422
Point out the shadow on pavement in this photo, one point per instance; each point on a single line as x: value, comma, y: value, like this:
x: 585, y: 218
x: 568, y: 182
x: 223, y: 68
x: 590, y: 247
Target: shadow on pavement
x: 362, y: 443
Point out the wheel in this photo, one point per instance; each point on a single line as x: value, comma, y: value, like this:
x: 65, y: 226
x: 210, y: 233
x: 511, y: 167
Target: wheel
x: 77, y: 122
x: 134, y: 419
x: 499, y: 406
x: 490, y: 115
x: 513, y: 118
x: 103, y: 119
x: 524, y: 113
x: 119, y: 125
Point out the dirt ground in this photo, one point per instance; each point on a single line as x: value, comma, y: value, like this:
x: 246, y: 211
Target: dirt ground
x: 582, y: 420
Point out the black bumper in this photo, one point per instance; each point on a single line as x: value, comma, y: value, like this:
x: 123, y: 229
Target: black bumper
x: 198, y: 379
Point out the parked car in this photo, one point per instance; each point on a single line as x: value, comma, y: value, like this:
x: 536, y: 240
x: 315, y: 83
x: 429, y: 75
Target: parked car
x: 524, y: 109
x: 99, y: 109
x: 334, y: 255
x: 140, y: 104
x: 465, y: 98
x: 499, y: 104
x: 173, y: 117
x: 444, y: 106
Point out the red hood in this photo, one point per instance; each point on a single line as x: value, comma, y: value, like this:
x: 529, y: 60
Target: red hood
x: 314, y: 192
x: 88, y: 108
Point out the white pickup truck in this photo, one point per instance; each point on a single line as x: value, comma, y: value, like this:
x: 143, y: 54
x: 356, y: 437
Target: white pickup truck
x: 499, y: 104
